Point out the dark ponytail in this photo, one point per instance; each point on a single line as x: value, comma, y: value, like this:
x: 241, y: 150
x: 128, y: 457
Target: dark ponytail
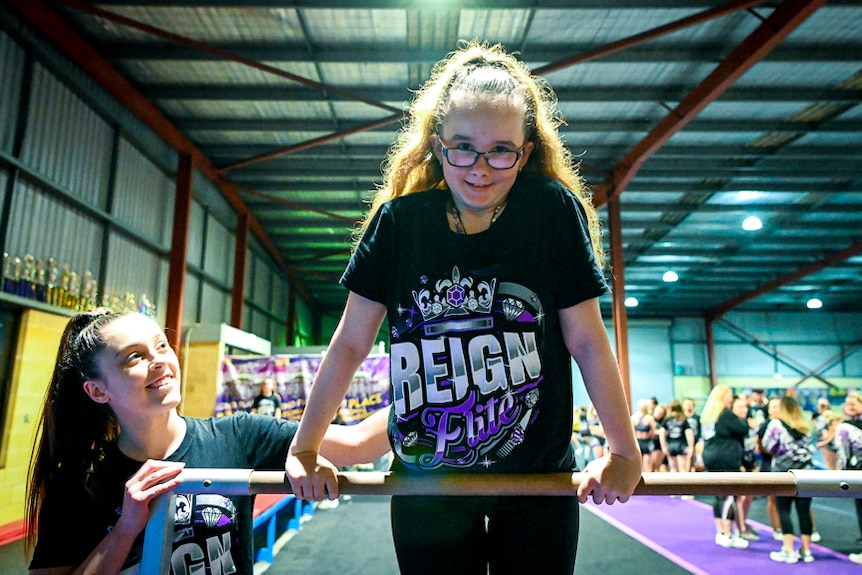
x: 73, y: 429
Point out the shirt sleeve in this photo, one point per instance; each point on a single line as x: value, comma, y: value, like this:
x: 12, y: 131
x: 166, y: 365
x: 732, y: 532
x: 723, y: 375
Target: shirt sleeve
x: 772, y: 436
x: 265, y: 439
x: 367, y: 269
x: 580, y: 276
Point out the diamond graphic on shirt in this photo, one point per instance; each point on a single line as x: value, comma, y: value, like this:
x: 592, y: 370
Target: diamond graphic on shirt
x: 211, y: 516
x: 512, y: 308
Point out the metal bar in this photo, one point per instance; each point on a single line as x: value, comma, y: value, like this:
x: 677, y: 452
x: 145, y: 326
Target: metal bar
x: 807, y: 483
x: 802, y: 483
x: 159, y: 536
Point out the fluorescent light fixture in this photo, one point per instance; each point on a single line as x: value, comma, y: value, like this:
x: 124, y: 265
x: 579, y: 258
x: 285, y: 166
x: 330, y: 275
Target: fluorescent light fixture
x: 669, y: 277
x: 748, y: 195
x: 752, y: 224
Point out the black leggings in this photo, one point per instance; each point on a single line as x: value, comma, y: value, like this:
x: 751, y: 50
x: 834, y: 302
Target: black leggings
x: 724, y: 507
x: 803, y: 511
x: 465, y: 535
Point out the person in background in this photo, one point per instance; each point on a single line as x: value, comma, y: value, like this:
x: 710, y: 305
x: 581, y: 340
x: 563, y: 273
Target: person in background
x: 823, y: 434
x: 758, y: 407
x: 677, y: 438
x: 645, y: 430
x: 723, y: 435
x: 659, y: 459
x: 110, y: 441
x: 688, y: 407
x: 598, y: 441
x: 749, y: 448
x: 786, y: 438
x: 766, y: 466
x: 848, y: 445
x: 482, y: 250
x: 267, y: 402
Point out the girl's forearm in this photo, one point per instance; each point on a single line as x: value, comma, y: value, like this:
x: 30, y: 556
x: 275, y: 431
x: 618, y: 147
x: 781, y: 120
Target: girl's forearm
x: 327, y: 392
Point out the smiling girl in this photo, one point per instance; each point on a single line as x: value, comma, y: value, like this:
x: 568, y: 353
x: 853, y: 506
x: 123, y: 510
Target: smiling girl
x: 111, y: 440
x: 483, y: 252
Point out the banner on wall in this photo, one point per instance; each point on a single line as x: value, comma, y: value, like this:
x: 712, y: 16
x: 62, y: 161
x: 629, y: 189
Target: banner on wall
x: 293, y: 374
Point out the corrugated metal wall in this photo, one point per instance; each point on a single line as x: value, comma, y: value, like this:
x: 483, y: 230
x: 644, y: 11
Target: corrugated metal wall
x: 66, y: 142
x: 11, y: 70
x: 90, y: 195
x: 143, y: 196
x: 45, y: 227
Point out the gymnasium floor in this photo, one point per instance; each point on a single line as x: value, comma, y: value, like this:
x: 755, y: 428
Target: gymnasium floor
x: 648, y: 535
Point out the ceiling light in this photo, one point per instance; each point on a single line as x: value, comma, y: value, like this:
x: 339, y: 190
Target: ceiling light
x: 669, y: 276
x: 631, y: 302
x: 748, y: 195
x: 814, y: 303
x: 752, y: 224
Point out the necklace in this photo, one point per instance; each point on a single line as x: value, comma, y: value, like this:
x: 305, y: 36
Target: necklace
x: 459, y: 225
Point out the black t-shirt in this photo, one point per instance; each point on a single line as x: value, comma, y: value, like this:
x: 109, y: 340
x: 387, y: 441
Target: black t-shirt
x: 480, y: 375
x: 208, y: 528
x: 676, y: 429
x: 266, y: 404
x: 723, y: 442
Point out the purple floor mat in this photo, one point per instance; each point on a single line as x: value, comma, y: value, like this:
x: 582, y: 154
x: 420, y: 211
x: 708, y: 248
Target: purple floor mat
x: 683, y: 531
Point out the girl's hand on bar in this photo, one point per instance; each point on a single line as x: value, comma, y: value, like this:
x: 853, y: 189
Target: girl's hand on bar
x: 609, y: 479
x: 311, y: 476
x: 154, y: 478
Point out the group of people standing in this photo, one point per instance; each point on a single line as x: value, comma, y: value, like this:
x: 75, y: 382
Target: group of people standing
x: 745, y: 432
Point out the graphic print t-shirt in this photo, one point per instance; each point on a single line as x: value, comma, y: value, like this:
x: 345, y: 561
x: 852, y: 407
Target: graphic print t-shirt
x: 212, y: 533
x: 480, y: 376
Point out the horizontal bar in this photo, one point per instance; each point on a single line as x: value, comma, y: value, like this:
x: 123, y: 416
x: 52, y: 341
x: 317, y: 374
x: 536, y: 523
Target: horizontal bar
x: 804, y: 483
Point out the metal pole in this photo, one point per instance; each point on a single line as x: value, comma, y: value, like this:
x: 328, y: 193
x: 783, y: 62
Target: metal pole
x: 802, y: 483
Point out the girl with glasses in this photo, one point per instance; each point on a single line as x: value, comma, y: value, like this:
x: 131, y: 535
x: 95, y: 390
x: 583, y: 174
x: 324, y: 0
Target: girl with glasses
x: 483, y: 252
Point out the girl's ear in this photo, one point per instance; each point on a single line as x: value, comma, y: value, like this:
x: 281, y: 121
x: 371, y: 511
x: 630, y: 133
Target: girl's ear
x: 528, y: 149
x: 435, y: 147
x: 95, y: 390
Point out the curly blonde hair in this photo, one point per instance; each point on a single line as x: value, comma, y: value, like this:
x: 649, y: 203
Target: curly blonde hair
x: 411, y: 165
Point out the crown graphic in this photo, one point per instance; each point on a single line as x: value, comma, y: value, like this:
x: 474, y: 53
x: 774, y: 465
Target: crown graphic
x: 456, y: 296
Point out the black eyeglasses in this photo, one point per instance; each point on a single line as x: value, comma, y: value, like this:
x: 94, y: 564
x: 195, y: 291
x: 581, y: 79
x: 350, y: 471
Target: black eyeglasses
x: 497, y: 159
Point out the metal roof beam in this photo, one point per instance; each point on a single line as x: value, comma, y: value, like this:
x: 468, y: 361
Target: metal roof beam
x: 574, y: 126
x: 786, y: 18
x: 399, y: 54
x: 396, y: 95
x: 831, y: 260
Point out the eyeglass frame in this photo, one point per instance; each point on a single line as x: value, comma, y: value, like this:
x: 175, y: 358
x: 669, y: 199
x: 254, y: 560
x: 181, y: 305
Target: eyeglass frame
x: 519, y: 153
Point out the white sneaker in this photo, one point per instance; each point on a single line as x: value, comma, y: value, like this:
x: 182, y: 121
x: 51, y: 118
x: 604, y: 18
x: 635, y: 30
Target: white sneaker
x: 815, y: 537
x: 807, y: 557
x: 778, y: 535
x: 730, y: 541
x: 855, y: 558
x: 784, y: 556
